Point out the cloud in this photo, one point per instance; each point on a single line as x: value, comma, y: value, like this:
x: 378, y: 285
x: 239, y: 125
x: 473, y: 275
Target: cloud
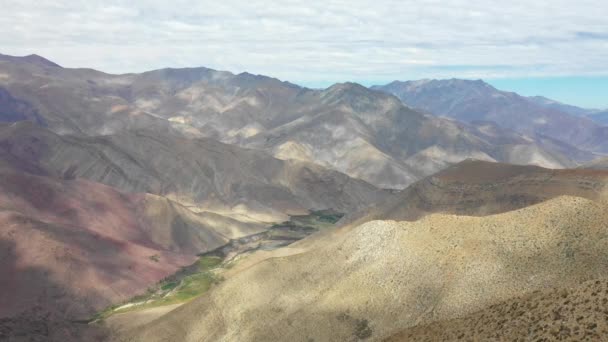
x: 317, y: 42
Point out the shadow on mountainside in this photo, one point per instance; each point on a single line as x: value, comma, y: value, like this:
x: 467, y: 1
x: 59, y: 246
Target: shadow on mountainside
x: 37, y: 315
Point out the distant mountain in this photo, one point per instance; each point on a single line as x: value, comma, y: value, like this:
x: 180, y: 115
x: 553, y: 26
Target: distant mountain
x: 599, y: 116
x: 31, y: 59
x: 471, y: 101
x: 365, y: 134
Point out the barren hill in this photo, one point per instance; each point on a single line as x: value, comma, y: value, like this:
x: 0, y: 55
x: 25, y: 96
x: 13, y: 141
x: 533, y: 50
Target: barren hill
x: 384, y: 276
x: 478, y: 188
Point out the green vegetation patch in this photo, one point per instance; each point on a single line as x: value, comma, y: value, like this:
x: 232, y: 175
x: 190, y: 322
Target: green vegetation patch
x: 187, y: 284
x: 194, y: 280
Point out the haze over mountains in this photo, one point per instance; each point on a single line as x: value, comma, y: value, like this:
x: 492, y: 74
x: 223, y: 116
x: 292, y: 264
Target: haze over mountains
x: 457, y: 196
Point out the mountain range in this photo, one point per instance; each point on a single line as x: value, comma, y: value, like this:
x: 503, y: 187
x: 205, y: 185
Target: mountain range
x: 347, y: 127
x: 472, y: 101
x: 452, y: 202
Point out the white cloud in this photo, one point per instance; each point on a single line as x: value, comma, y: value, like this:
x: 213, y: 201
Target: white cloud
x: 317, y: 41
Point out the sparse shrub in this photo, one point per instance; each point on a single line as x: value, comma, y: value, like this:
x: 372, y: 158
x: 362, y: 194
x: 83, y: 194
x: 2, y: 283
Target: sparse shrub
x: 362, y: 329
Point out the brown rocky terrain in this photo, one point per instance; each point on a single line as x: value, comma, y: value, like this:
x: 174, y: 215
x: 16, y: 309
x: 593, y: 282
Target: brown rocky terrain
x: 374, y: 280
x: 579, y: 313
x: 478, y: 188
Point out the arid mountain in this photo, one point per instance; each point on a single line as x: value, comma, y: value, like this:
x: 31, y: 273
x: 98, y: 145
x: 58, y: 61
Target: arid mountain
x: 363, y: 133
x: 202, y: 174
x: 576, y: 313
x: 480, y: 188
x: 471, y: 101
x: 374, y: 280
x: 69, y: 248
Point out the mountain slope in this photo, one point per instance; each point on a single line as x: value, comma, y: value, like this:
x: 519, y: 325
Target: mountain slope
x: 384, y: 276
x: 70, y: 248
x: 471, y: 101
x: 574, y: 314
x: 363, y: 133
x: 202, y: 174
x: 479, y: 188
x: 372, y: 136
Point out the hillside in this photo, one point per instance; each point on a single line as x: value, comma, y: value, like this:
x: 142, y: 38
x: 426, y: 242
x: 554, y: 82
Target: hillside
x: 365, y: 134
x: 479, y: 188
x: 471, y: 101
x: 384, y: 276
x: 69, y: 248
x: 572, y: 314
x: 201, y: 174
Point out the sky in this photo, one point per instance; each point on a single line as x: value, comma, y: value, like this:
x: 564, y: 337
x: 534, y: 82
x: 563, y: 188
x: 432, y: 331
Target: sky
x: 556, y: 48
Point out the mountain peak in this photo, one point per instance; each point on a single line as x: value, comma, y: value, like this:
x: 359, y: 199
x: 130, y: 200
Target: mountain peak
x: 32, y: 59
x: 427, y: 84
x: 346, y: 86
